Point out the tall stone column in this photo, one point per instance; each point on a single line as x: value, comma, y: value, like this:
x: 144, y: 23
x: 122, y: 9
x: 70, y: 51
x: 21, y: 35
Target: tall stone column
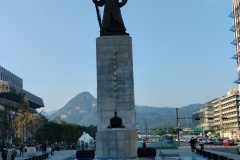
x: 115, y: 92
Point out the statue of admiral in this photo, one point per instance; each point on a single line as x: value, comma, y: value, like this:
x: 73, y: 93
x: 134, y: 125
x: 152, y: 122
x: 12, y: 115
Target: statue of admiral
x: 112, y: 23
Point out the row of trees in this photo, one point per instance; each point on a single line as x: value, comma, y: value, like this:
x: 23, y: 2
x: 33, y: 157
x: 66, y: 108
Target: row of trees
x: 30, y: 126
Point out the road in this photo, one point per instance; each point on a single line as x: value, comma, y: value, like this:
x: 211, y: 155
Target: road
x: 219, y: 148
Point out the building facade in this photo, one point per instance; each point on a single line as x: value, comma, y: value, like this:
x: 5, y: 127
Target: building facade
x: 6, y: 75
x: 8, y: 79
x: 9, y: 106
x: 226, y: 114
x: 203, y: 119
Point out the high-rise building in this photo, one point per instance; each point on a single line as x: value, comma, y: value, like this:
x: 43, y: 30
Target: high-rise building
x: 203, y: 119
x: 9, y: 79
x: 235, y: 14
x: 5, y: 75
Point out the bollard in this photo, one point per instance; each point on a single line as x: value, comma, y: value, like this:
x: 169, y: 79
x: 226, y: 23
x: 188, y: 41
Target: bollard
x: 201, y: 153
x: 209, y: 155
x: 197, y: 151
x: 223, y: 158
x: 204, y: 153
x: 215, y: 156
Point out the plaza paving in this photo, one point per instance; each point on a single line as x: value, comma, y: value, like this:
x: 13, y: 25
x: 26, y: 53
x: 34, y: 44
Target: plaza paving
x: 58, y: 155
x: 182, y: 153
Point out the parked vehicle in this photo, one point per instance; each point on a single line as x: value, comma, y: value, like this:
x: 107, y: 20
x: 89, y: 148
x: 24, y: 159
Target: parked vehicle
x: 205, y: 141
x: 228, y: 142
x: 199, y: 139
x: 218, y: 142
x: 210, y: 141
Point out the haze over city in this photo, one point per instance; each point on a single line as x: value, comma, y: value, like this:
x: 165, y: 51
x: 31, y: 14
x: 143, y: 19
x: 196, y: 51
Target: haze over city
x: 181, y: 49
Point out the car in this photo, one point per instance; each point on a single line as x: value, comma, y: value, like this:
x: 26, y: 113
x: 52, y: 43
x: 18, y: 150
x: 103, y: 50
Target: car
x: 210, y: 141
x: 199, y: 139
x: 218, y: 142
x: 205, y: 141
x: 228, y: 142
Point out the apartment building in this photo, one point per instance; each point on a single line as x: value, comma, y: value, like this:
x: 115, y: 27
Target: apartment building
x: 226, y: 114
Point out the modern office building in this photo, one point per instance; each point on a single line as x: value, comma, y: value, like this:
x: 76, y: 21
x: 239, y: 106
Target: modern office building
x: 226, y: 114
x: 203, y: 119
x: 235, y: 14
x: 8, y: 79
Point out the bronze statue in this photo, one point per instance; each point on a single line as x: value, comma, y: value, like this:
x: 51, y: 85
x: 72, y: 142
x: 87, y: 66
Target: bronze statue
x: 112, y: 23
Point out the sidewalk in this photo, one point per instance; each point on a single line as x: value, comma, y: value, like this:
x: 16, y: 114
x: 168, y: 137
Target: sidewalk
x: 229, y: 155
x: 186, y: 153
x: 58, y: 155
x: 182, y: 153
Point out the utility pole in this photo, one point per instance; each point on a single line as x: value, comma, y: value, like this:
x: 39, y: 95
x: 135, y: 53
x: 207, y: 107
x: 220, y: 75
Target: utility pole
x: 177, y: 127
x: 146, y: 132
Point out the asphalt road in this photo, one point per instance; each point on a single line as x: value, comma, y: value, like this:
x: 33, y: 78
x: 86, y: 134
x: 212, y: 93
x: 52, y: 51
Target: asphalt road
x: 219, y: 148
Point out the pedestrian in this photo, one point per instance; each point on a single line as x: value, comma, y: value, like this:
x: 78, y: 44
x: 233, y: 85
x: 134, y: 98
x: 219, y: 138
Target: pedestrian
x: 86, y: 145
x: 144, y: 144
x: 193, y: 143
x: 26, y: 147
x: 72, y: 147
x: 4, y: 153
x: 44, y: 148
x: 21, y: 150
x: 13, y: 154
x: 58, y: 146
x: 52, y: 149
x: 201, y: 145
x: 82, y: 147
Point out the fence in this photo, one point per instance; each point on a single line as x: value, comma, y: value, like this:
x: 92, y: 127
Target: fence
x: 161, y: 144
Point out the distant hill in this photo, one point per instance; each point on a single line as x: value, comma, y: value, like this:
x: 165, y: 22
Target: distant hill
x: 51, y: 112
x: 82, y: 110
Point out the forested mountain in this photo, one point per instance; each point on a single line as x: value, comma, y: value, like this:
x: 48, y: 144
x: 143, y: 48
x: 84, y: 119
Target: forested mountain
x: 82, y: 110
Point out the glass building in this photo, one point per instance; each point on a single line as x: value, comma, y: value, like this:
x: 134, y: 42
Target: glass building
x: 11, y: 80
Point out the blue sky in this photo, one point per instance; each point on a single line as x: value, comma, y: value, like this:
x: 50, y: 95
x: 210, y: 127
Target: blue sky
x: 181, y: 49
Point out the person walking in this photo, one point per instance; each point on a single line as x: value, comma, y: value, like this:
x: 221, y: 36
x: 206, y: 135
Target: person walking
x: 13, y: 153
x: 4, y: 153
x: 144, y: 144
x: 72, y: 147
x: 52, y: 149
x: 21, y: 150
x: 201, y: 145
x: 82, y: 146
x: 58, y: 146
x: 26, y: 147
x: 192, y: 143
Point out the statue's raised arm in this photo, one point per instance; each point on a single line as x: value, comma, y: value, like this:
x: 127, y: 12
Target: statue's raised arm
x: 112, y: 23
x: 123, y: 3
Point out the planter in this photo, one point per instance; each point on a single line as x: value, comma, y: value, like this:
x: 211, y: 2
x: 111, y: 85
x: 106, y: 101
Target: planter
x: 48, y: 150
x: 146, y: 153
x: 86, y: 154
x: 31, y: 152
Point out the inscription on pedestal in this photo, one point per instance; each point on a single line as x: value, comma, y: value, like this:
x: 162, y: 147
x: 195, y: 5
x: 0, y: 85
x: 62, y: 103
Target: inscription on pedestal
x: 115, y: 72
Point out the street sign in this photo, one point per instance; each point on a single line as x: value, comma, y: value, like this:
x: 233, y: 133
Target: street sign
x: 197, y: 129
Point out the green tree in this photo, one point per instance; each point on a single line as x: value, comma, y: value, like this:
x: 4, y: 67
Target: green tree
x: 170, y: 130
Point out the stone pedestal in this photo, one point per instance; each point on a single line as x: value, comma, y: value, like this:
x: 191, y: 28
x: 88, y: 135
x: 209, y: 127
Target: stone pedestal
x: 115, y: 92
